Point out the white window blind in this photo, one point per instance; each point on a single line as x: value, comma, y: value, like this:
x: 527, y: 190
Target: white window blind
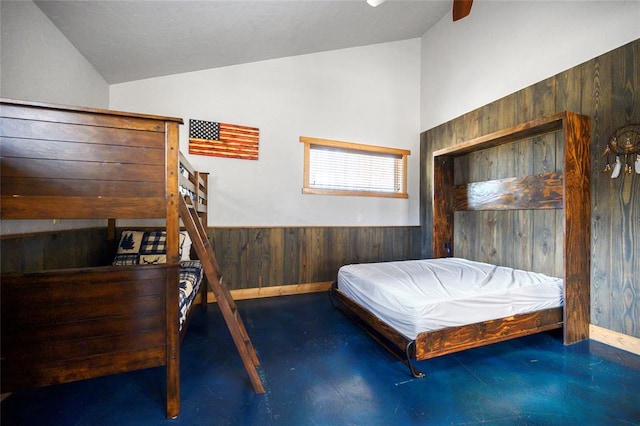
x: 333, y: 167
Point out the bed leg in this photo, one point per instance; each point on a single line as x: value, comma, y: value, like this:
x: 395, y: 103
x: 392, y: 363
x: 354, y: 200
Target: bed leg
x: 414, y: 372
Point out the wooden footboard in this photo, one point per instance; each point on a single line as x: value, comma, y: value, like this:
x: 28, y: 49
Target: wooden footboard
x: 452, y: 339
x: 66, y: 325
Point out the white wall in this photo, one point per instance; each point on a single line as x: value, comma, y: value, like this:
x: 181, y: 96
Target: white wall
x: 38, y: 63
x: 367, y: 95
x: 382, y: 94
x: 505, y: 46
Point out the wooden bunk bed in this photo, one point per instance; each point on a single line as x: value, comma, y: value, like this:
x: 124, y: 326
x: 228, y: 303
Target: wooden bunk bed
x: 60, y: 162
x: 569, y: 192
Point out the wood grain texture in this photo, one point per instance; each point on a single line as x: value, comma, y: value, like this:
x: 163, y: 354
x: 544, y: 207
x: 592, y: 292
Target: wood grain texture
x: 606, y: 89
x: 55, y: 187
x: 228, y: 308
x: 454, y: 339
x: 75, y: 163
x: 599, y: 90
x: 569, y: 191
x: 71, y: 170
x: 543, y: 191
x: 85, y: 116
x: 37, y: 207
x: 35, y: 128
x: 443, y: 219
x: 54, y: 250
x: 253, y: 258
x: 172, y: 299
x: 501, y: 137
x: 626, y: 204
x: 128, y: 299
x: 72, y: 151
x: 249, y: 258
x: 430, y: 344
x: 577, y: 224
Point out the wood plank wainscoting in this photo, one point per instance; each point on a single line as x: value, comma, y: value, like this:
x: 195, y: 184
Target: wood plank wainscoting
x: 607, y: 89
x: 263, y: 262
x: 255, y: 262
x: 55, y: 250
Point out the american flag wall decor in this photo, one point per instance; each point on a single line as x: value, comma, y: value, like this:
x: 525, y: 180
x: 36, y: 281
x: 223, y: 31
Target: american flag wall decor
x: 223, y: 140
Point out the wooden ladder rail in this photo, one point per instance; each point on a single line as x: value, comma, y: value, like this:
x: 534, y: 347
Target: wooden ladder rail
x: 225, y: 301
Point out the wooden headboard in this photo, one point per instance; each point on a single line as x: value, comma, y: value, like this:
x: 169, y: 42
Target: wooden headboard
x: 83, y: 163
x: 568, y: 192
x: 61, y: 162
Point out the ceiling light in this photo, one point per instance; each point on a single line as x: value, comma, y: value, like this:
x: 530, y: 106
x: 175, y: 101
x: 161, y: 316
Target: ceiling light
x: 374, y: 3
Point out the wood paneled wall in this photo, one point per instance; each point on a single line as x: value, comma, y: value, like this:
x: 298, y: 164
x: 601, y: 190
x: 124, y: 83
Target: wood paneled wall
x: 54, y: 250
x: 248, y: 257
x: 606, y: 88
x: 263, y: 257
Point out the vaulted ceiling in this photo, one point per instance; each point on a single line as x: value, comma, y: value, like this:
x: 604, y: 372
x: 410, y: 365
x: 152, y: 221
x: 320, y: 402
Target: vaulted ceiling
x: 132, y: 40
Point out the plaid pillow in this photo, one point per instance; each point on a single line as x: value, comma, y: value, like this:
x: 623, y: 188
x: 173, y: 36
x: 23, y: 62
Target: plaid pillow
x: 153, y: 248
x: 147, y: 248
x: 129, y: 248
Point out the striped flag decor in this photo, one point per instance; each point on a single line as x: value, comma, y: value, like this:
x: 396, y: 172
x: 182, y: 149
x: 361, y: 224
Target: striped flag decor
x: 223, y: 140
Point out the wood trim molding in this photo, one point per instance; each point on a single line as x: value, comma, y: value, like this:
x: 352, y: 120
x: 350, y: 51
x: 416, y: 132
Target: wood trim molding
x: 280, y: 290
x: 615, y: 339
x: 355, y: 146
x: 344, y: 147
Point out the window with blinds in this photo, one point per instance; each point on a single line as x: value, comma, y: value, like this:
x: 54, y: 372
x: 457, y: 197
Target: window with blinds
x: 345, y: 168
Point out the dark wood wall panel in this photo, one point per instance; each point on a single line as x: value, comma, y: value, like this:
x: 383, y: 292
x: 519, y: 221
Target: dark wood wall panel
x: 55, y: 250
x: 264, y: 257
x: 248, y: 257
x: 606, y: 88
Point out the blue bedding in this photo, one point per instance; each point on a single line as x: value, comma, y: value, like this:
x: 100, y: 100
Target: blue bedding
x: 190, y: 280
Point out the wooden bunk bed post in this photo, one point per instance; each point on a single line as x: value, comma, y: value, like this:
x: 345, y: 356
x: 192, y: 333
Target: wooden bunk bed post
x: 111, y: 236
x: 173, y: 257
x: 443, y: 223
x: 577, y: 225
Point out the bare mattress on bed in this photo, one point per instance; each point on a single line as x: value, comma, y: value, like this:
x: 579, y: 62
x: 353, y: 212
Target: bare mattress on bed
x: 415, y: 296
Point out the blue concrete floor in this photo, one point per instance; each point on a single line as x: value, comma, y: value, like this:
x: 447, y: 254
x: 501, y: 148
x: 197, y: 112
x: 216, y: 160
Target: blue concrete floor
x: 320, y: 369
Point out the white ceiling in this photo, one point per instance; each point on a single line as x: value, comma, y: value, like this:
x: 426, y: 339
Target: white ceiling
x: 132, y: 40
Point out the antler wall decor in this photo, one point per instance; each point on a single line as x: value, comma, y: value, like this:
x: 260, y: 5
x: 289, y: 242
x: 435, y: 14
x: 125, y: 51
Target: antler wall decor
x: 624, y: 142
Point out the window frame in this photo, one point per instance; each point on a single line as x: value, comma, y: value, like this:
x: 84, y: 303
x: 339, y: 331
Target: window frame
x: 357, y: 147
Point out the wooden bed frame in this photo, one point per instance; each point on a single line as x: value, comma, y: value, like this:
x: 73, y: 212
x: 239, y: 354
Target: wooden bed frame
x: 569, y: 192
x: 62, y: 162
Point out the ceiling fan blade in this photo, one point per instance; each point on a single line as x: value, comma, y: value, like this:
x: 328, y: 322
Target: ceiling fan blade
x: 461, y: 8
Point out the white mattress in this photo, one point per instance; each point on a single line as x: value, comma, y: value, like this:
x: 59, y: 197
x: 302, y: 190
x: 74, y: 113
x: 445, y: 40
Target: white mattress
x: 425, y: 295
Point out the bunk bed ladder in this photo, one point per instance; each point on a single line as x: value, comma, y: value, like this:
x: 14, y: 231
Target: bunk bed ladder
x: 225, y: 301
